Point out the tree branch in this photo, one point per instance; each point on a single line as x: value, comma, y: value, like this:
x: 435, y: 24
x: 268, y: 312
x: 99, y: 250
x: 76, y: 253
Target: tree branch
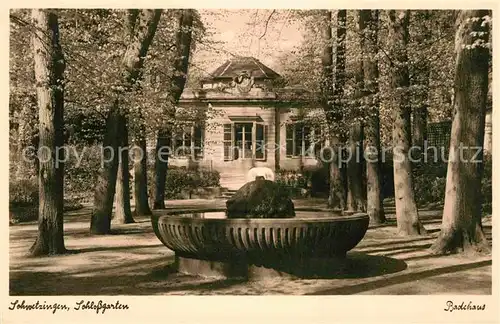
x: 267, y: 23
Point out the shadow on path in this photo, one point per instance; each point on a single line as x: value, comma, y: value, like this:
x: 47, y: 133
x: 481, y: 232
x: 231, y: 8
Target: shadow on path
x: 404, y: 278
x: 131, y: 279
x: 116, y: 248
x: 401, y: 241
x: 356, y: 265
x: 397, y: 248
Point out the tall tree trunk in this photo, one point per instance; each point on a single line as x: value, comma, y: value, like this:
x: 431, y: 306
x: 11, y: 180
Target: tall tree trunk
x: 161, y: 165
x: 133, y: 60
x: 336, y: 197
x: 332, y: 96
x: 100, y: 222
x: 339, y: 189
x: 356, y: 200
x: 368, y: 26
x: 461, y: 229
x: 406, y: 208
x: 123, y: 212
x: 420, y: 83
x: 420, y: 113
x: 181, y: 62
x: 141, y: 174
x: 49, y: 74
x: 338, y: 93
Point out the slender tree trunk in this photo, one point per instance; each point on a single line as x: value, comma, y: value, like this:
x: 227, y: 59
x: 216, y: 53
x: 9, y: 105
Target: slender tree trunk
x: 374, y: 196
x: 338, y: 93
x: 339, y: 189
x: 181, y: 63
x: 327, y: 65
x: 406, y: 208
x: 123, y: 212
x: 420, y: 81
x: 161, y: 165
x: 143, y: 32
x: 461, y: 230
x: 368, y: 26
x: 49, y: 74
x: 100, y: 222
x: 332, y: 96
x: 420, y: 113
x: 356, y: 198
x: 336, y: 197
x: 141, y: 174
x: 356, y: 193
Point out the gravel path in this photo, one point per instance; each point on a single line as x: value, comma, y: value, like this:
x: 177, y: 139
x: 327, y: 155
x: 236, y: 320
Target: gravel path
x: 134, y: 262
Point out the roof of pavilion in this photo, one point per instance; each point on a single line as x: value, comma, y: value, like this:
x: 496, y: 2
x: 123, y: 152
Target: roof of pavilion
x: 238, y: 64
x: 234, y: 67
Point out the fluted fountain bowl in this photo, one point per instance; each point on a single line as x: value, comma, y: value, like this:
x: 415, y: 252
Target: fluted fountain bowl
x: 210, y: 237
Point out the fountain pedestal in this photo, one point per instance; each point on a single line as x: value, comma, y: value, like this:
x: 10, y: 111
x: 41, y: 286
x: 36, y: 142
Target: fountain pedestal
x: 240, y: 268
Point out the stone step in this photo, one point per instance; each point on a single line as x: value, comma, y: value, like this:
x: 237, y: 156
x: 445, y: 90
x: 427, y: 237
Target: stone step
x: 232, y: 184
x: 227, y: 193
x: 232, y: 179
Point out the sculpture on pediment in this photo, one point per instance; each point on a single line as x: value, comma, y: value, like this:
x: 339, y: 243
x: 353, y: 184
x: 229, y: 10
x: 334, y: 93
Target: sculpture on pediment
x: 221, y: 87
x: 243, y: 82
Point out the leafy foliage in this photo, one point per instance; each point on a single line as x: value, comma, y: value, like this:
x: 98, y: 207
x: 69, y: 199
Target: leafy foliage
x: 94, y: 42
x: 487, y: 185
x: 80, y: 172
x: 314, y: 182
x: 180, y: 179
x: 301, y: 66
x: 430, y: 184
x: 24, y: 200
x: 23, y: 192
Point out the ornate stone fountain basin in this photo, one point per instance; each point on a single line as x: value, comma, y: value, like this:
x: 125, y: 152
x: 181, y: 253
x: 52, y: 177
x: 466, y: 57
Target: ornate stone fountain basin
x: 212, y: 243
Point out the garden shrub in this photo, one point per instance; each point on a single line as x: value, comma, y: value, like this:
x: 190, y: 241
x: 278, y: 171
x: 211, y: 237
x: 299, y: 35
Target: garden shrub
x: 291, y: 178
x: 487, y: 186
x: 24, y: 200
x: 23, y: 192
x: 180, y: 179
x: 292, y: 182
x: 79, y: 178
x: 429, y: 189
x: 314, y: 182
x: 430, y: 184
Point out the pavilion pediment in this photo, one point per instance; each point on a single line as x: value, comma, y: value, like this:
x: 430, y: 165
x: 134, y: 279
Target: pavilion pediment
x: 225, y: 95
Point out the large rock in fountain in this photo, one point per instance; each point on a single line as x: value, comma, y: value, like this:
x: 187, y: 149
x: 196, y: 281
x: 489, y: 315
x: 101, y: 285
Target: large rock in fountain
x: 260, y: 198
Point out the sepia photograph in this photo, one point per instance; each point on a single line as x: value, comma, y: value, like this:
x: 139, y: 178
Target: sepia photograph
x: 193, y: 151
